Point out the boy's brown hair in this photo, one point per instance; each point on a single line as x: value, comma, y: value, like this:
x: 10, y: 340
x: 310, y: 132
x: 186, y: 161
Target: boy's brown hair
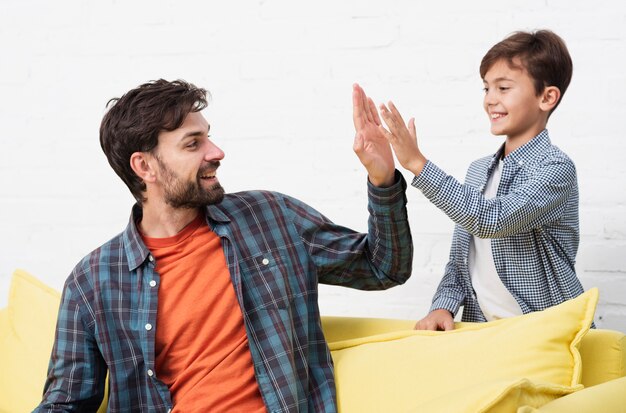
x: 542, y: 54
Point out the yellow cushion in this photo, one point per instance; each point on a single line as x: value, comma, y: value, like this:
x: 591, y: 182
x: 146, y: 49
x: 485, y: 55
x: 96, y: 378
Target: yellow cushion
x: 609, y: 397
x: 494, y: 397
x: 26, y: 342
x: 408, y: 369
x: 604, y: 356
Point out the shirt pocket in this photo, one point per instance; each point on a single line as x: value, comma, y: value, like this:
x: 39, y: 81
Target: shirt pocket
x: 265, y: 279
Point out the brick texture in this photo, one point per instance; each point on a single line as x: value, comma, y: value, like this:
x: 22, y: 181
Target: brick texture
x: 280, y: 73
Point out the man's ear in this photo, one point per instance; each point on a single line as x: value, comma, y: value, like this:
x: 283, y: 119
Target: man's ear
x: 139, y: 162
x: 549, y: 98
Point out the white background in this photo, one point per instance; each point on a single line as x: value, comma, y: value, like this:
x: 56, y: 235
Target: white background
x: 280, y: 73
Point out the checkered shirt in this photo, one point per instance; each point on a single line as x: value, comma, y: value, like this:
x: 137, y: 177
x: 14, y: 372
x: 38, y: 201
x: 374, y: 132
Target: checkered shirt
x: 532, y: 223
x: 278, y: 249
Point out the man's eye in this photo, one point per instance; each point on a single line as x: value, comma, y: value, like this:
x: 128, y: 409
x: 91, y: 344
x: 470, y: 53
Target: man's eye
x: 192, y: 145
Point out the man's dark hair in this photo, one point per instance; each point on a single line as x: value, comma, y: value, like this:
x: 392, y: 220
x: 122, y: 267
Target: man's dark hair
x: 134, y: 121
x: 542, y: 53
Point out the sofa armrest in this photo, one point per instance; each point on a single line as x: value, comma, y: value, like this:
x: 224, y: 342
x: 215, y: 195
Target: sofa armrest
x: 608, y: 397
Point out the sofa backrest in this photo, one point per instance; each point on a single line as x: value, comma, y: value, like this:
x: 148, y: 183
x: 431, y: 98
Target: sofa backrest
x: 603, y: 352
x: 27, y: 333
x: 27, y: 328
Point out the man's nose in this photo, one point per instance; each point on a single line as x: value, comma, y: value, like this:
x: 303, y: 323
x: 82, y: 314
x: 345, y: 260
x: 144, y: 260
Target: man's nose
x: 213, y: 153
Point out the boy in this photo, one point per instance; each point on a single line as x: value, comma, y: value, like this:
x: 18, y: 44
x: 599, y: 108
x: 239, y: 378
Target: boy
x: 514, y: 245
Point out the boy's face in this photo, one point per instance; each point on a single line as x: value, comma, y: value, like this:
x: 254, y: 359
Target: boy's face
x: 513, y: 107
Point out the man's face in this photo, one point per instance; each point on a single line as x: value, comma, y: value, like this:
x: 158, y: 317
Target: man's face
x: 187, y: 163
x: 511, y: 102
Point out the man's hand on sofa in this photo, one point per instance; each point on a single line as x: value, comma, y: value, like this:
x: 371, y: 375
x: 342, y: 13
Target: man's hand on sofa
x: 436, y: 320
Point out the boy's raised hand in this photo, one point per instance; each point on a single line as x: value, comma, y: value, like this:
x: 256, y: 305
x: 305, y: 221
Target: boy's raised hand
x: 370, y: 144
x: 403, y: 139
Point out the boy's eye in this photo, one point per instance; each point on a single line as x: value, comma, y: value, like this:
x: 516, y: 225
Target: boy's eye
x: 485, y: 89
x: 504, y: 88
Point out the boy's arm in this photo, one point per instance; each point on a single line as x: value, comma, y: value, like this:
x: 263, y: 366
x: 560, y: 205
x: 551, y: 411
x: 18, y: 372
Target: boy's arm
x: 449, y: 295
x: 540, y: 200
x: 77, y: 372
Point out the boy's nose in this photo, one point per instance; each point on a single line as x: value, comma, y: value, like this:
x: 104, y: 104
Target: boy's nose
x: 490, y: 98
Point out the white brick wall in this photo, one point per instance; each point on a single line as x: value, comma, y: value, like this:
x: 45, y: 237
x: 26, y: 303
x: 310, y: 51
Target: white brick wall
x: 280, y: 72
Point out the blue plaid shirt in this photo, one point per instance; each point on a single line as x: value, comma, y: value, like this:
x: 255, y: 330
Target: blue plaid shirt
x: 278, y: 249
x: 532, y: 223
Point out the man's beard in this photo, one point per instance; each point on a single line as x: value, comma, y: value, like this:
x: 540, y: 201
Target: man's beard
x: 190, y: 195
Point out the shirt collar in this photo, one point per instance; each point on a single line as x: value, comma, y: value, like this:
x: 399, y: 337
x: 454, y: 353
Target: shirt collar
x: 525, y: 153
x: 134, y: 247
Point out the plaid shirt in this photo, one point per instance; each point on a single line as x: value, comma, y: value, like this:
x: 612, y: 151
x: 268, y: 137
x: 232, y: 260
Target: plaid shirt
x: 532, y: 223
x: 277, y: 249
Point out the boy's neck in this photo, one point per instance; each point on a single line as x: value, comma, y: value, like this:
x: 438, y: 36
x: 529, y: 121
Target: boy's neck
x: 513, y: 143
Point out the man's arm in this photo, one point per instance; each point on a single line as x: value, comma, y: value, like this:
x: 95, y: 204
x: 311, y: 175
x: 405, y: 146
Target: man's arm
x: 379, y: 259
x: 77, y: 372
x: 370, y: 144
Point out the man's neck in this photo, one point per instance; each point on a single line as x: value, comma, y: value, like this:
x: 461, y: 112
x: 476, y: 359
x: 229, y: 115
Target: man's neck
x: 162, y: 221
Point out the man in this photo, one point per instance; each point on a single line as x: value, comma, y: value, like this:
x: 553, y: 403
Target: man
x: 208, y: 302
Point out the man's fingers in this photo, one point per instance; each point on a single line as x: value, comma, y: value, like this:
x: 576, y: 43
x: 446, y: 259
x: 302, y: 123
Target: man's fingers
x: 357, y: 107
x: 365, y: 105
x: 373, y: 111
x: 357, y: 146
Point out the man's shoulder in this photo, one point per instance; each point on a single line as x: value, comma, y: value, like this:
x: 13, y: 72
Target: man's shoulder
x: 252, y: 200
x: 99, y: 260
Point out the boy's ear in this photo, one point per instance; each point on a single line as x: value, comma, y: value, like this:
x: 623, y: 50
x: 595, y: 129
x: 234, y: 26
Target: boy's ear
x: 549, y: 98
x: 140, y: 163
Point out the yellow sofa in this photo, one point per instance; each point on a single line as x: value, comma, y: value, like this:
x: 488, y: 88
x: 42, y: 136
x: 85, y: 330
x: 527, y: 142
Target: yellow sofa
x: 358, y: 344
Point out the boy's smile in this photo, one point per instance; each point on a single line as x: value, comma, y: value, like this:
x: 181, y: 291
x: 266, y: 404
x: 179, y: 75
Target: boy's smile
x: 512, y: 104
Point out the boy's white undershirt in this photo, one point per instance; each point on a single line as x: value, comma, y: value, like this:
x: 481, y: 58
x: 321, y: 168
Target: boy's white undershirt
x: 493, y: 297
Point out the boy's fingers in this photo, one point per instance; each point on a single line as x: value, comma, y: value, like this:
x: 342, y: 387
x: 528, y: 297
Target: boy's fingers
x: 412, y: 128
x: 389, y: 119
x: 395, y: 112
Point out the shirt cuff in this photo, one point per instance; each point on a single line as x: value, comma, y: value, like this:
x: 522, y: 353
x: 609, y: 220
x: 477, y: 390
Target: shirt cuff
x: 447, y: 303
x: 389, y: 198
x: 430, y: 180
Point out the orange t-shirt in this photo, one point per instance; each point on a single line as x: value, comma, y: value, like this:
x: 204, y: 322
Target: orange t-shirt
x: 202, y: 351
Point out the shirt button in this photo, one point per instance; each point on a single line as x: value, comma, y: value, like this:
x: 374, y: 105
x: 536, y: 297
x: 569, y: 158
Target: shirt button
x: 265, y: 261
x: 151, y: 258
x: 148, y: 326
x: 152, y: 283
x: 150, y: 372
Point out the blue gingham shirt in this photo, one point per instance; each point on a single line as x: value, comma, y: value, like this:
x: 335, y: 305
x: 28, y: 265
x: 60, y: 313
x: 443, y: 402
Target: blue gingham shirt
x: 532, y: 223
x: 277, y: 249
